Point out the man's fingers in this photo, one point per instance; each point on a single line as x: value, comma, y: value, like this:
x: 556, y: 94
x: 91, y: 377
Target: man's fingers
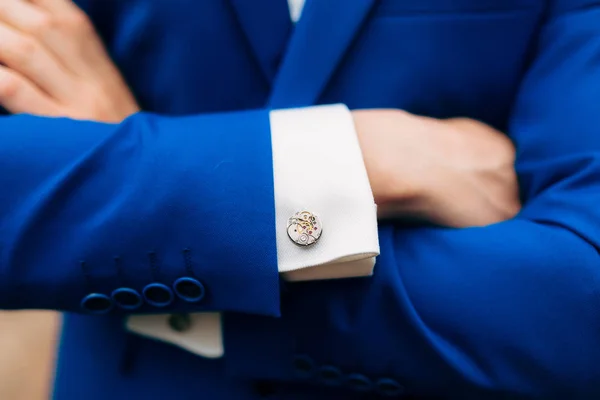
x: 60, y: 26
x: 31, y: 59
x: 22, y: 15
x: 68, y: 33
x: 18, y: 95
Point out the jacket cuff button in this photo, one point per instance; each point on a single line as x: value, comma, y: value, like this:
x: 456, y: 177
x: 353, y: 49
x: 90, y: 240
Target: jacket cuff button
x: 389, y: 387
x: 303, y: 366
x: 359, y: 382
x: 189, y: 289
x: 330, y: 375
x: 96, y: 303
x: 127, y: 299
x: 158, y: 295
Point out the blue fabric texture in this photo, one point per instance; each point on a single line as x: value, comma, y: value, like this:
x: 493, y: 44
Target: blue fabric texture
x: 505, y: 310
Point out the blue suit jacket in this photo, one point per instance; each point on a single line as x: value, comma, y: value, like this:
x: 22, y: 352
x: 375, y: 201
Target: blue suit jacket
x: 509, y: 309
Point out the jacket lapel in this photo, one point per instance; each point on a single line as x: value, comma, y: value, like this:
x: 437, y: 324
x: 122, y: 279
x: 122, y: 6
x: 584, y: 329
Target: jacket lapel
x: 267, y: 27
x: 321, y: 38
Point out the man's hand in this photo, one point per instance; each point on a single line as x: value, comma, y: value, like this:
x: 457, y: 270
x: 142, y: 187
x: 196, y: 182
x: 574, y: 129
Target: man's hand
x: 53, y: 63
x: 456, y: 172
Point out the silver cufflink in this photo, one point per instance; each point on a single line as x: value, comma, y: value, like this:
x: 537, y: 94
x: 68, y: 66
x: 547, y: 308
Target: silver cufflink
x: 304, y: 228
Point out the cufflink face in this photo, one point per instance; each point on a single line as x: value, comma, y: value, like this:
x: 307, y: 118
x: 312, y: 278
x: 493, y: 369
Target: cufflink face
x: 304, y: 228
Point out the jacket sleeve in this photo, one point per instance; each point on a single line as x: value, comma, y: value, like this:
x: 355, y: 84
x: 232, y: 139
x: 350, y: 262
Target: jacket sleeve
x: 153, y: 214
x: 509, y: 308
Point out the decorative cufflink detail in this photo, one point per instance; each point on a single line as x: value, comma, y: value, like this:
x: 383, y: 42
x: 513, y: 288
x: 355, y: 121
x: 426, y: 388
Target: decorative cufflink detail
x: 304, y: 228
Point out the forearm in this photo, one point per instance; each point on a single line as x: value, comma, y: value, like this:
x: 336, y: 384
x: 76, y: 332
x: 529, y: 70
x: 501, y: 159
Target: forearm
x: 89, y: 207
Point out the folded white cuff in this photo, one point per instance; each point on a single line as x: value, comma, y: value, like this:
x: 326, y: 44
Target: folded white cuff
x: 318, y: 167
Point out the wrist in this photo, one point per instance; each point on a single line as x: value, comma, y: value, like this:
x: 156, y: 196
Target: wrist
x: 392, y: 143
x: 405, y: 198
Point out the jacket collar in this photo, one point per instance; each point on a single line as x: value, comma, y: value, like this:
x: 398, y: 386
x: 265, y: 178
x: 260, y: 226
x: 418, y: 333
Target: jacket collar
x: 267, y: 27
x: 314, y: 47
x: 321, y: 38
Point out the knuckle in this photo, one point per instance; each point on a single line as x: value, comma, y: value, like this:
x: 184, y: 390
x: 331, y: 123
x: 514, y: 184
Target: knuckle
x: 42, y: 25
x: 95, y: 103
x: 511, y: 211
x: 396, y: 112
x: 78, y: 21
x: 24, y: 48
x: 511, y: 204
x: 507, y: 149
x: 9, y: 85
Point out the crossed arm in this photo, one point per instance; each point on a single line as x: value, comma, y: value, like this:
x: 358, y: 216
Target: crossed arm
x: 511, y: 306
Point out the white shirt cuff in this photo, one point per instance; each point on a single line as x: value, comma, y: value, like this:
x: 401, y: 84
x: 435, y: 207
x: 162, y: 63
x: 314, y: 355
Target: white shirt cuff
x: 317, y: 167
